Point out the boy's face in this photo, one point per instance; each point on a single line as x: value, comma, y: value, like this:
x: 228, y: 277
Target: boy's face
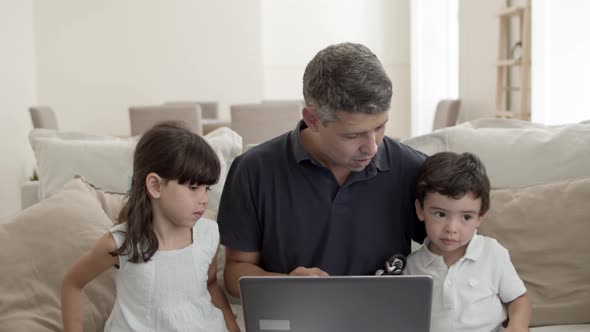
x: 450, y: 223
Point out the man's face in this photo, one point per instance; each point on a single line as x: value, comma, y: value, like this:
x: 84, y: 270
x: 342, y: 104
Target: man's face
x: 350, y: 142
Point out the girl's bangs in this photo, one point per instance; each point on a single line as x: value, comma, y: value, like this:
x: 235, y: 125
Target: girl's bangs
x: 197, y: 168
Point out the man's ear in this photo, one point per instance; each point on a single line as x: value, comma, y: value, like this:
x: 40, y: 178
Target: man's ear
x: 419, y: 210
x: 153, y: 184
x: 310, y: 118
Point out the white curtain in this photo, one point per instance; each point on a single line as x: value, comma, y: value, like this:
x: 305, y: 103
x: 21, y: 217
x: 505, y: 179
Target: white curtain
x: 560, y: 61
x: 434, y: 58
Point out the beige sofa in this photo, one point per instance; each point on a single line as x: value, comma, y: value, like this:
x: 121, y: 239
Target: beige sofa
x: 541, y: 179
x: 539, y: 208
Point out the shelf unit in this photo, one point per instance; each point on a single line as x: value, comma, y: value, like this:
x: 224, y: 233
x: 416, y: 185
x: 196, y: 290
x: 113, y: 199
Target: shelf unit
x: 513, y: 96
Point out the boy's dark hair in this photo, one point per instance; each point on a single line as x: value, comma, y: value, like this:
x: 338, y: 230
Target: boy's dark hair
x: 454, y: 175
x: 174, y: 153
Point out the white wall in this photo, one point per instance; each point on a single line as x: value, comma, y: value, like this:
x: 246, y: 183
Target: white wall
x: 434, y: 48
x: 17, y: 93
x: 96, y: 58
x: 478, y: 52
x: 294, y: 31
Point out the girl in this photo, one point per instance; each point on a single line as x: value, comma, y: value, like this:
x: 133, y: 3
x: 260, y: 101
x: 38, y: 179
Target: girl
x: 163, y: 251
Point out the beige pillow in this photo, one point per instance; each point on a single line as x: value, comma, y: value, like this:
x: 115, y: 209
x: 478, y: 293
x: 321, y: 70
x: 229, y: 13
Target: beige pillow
x: 111, y: 202
x: 546, y: 228
x: 38, y: 246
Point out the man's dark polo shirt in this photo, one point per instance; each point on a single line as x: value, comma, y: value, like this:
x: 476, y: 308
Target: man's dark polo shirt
x: 280, y: 202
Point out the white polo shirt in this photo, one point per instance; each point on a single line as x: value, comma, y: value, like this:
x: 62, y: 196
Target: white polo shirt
x: 469, y: 295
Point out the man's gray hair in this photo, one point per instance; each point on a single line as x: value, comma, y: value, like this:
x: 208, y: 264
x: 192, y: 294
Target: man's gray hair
x: 346, y: 77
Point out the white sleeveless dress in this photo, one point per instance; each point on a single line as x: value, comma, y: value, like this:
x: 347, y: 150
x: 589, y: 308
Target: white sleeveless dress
x: 168, y: 293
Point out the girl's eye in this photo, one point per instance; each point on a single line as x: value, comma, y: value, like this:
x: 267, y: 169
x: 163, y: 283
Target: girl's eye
x: 197, y: 187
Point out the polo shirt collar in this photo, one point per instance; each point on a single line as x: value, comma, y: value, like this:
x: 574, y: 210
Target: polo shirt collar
x: 473, y: 251
x: 298, y: 150
x: 426, y: 256
x: 474, y: 248
x: 380, y: 160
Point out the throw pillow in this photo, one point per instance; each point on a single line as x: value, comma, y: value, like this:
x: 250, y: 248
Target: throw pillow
x: 38, y: 246
x: 40, y: 243
x: 518, y: 154
x: 545, y: 228
x: 106, y: 161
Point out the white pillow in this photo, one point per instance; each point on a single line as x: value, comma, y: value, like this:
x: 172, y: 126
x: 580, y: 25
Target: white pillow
x: 106, y: 161
x: 228, y: 145
x: 518, y: 154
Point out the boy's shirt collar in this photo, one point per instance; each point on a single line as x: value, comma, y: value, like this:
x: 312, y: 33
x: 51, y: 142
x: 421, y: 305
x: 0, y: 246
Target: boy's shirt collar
x: 473, y: 251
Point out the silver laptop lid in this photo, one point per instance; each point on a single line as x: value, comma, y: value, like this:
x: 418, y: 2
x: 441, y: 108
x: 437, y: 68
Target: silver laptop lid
x: 339, y: 304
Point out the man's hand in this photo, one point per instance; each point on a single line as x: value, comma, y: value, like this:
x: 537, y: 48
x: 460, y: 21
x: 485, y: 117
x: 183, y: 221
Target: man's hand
x: 312, y: 271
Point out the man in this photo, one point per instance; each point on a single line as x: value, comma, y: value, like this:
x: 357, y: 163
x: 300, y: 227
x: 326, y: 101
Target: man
x: 334, y: 196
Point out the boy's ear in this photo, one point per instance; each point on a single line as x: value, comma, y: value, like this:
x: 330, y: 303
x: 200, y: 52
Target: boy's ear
x: 310, y: 118
x: 480, y: 219
x: 419, y: 211
x: 153, y: 184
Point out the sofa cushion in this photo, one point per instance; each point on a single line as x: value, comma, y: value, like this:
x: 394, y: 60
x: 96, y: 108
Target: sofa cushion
x: 106, y: 161
x: 545, y: 228
x: 516, y: 153
x: 41, y: 242
x: 563, y: 328
x: 38, y: 246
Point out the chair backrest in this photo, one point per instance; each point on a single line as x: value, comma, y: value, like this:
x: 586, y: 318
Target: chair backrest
x: 143, y: 118
x: 299, y: 102
x: 257, y: 123
x: 43, y: 117
x: 209, y: 109
x: 446, y: 113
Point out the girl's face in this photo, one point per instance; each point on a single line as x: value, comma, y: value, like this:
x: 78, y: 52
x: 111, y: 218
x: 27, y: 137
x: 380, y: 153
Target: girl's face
x: 182, y: 204
x: 450, y: 223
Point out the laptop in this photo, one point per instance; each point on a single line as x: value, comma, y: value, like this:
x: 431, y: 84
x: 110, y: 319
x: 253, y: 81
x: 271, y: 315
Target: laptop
x: 336, y: 303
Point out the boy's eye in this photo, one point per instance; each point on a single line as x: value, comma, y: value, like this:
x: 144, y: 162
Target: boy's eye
x: 439, y: 214
x: 467, y: 217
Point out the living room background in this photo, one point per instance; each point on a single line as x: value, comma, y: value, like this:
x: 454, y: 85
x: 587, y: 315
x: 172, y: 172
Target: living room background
x: 91, y: 60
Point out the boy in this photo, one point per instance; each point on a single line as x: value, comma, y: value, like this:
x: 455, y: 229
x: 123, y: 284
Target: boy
x: 473, y: 277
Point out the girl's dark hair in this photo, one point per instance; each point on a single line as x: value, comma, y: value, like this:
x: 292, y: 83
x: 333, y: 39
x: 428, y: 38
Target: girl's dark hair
x: 454, y: 175
x: 174, y: 153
